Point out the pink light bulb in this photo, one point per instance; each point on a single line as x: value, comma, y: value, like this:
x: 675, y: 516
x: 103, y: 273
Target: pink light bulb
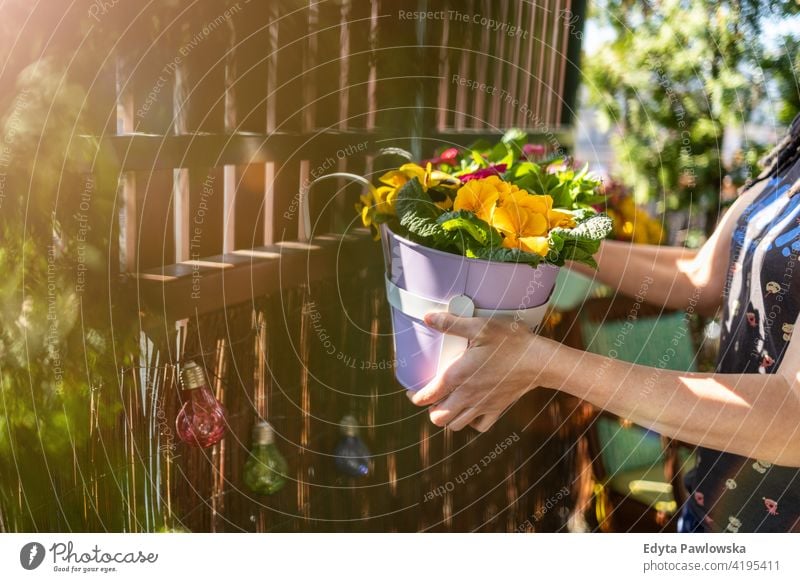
x: 201, y: 419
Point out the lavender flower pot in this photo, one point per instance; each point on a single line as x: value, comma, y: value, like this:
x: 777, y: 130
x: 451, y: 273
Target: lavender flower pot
x: 496, y: 289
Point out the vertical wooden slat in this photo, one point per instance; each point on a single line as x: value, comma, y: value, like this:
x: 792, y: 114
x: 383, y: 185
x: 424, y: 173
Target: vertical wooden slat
x: 527, y: 72
x: 464, y: 95
x: 358, y: 66
x: 566, y: 32
x: 269, y: 203
x: 483, y: 107
x: 290, y: 115
x: 539, y: 78
x: 514, y: 72
x: 229, y: 208
x: 128, y: 230
x: 445, y: 82
x: 344, y: 65
x: 204, y: 47
x: 322, y: 86
x: 181, y: 217
x: 251, y: 70
x: 497, y: 42
x: 271, y: 101
x: 572, y: 62
x: 372, y: 85
x: 553, y: 46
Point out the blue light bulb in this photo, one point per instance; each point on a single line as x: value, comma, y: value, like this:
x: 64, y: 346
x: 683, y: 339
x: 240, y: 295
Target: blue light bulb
x: 352, y: 455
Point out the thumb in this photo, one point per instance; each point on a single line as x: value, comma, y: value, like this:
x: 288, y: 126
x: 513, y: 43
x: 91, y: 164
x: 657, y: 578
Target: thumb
x: 468, y: 327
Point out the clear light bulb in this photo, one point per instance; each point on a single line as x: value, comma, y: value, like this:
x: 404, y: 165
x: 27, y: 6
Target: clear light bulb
x: 201, y: 419
x: 266, y: 469
x: 352, y: 455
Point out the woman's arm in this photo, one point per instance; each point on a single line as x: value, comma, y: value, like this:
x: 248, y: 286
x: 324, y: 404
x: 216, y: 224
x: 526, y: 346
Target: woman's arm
x: 673, y: 275
x: 748, y: 414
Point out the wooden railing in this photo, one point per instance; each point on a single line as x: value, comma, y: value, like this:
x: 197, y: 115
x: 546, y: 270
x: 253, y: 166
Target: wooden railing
x: 218, y: 128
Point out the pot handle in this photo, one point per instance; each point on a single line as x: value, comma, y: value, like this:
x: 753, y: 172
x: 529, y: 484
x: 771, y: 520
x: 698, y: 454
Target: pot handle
x: 452, y: 345
x: 304, y: 225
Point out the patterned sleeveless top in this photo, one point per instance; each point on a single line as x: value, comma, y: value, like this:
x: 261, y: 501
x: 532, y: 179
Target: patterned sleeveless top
x: 730, y: 493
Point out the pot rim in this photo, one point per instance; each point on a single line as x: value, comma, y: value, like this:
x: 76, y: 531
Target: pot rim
x: 416, y: 245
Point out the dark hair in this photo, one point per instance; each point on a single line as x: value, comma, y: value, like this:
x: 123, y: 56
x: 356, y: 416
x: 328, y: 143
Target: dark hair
x: 782, y: 157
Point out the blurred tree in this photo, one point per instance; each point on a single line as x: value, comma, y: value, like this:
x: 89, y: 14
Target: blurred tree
x: 782, y: 68
x: 675, y: 75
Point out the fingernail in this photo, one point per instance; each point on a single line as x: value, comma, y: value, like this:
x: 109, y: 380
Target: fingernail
x: 433, y: 319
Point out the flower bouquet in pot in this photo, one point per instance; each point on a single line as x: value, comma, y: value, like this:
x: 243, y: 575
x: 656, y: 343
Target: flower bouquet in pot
x: 480, y: 232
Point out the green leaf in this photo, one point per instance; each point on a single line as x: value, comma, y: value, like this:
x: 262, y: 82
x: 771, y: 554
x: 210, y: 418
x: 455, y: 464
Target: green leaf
x: 412, y: 199
x: 478, y: 159
x: 504, y: 255
x: 467, y: 223
x: 579, y: 244
x: 501, y: 154
x: 418, y: 215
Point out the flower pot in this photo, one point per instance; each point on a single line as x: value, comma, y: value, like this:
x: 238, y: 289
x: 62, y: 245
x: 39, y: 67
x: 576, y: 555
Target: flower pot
x: 421, y: 279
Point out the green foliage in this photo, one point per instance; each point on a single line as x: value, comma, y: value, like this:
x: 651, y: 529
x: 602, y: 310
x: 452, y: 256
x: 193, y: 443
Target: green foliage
x: 569, y: 189
x: 677, y: 73
x: 418, y: 215
x: 60, y: 355
x: 783, y: 67
x: 504, y: 255
x: 468, y: 224
x: 580, y: 243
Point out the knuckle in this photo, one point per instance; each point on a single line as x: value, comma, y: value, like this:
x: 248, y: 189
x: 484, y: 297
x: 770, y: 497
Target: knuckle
x: 453, y: 377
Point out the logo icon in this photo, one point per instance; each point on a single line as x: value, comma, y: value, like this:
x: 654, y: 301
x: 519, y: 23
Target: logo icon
x: 31, y: 555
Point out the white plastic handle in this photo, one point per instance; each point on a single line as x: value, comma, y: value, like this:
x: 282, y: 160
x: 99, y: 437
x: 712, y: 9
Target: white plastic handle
x: 452, y: 345
x: 417, y: 306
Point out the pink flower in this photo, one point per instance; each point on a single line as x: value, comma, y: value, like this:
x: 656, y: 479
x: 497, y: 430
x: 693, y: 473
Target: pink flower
x: 495, y: 170
x: 448, y: 156
x: 533, y: 150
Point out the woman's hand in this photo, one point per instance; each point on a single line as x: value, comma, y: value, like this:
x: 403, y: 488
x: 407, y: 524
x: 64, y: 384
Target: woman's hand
x: 504, y: 360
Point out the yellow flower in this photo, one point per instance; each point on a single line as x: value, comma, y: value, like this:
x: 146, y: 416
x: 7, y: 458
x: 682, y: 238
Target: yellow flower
x: 394, y: 180
x: 428, y: 177
x: 540, y: 204
x: 372, y: 203
x: 559, y: 218
x: 522, y: 228
x: 479, y: 197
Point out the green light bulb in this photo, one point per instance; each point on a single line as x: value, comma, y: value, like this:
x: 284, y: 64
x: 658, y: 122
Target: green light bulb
x: 266, y: 470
